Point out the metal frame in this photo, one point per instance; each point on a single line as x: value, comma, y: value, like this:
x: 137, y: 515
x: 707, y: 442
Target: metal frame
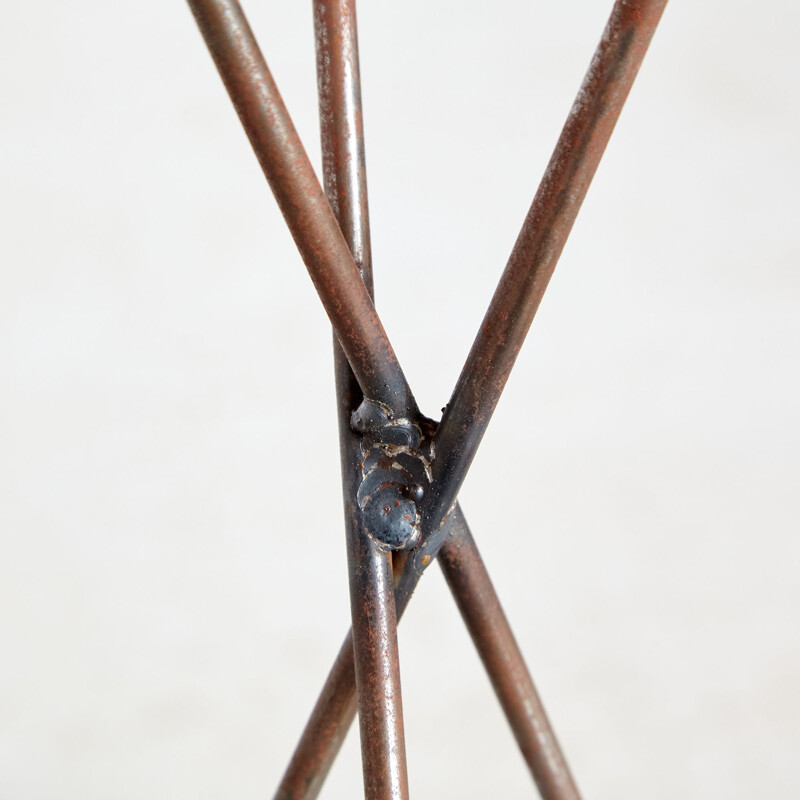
x: 401, y: 472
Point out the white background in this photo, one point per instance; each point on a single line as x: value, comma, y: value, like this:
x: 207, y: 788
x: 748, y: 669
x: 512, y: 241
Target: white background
x: 172, y: 573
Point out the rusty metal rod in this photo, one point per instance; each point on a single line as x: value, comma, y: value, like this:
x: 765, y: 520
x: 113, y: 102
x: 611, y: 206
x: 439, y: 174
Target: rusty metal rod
x: 380, y: 707
x: 325, y: 731
x: 374, y: 631
x: 541, y: 240
x: 344, y: 171
x: 377, y: 665
x: 483, y: 615
x: 331, y: 717
x: 302, y: 201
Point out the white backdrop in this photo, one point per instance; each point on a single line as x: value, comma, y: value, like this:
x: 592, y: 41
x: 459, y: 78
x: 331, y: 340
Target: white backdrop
x: 171, y: 598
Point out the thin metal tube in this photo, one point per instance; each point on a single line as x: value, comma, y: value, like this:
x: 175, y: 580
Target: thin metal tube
x: 374, y: 631
x: 344, y: 171
x: 541, y: 240
x: 302, y: 201
x: 377, y: 667
x: 483, y: 615
x: 331, y: 717
x: 325, y: 731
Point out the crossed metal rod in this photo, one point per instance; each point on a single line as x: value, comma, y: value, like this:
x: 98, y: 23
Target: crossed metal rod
x: 331, y: 230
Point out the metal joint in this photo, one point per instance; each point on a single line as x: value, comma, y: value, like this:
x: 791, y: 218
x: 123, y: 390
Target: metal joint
x: 395, y: 474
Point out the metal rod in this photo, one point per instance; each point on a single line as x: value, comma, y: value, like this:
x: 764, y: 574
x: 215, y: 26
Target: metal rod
x: 377, y: 667
x: 332, y: 715
x: 302, y: 201
x: 374, y: 632
x: 541, y: 240
x: 344, y: 170
x: 325, y: 730
x: 483, y: 615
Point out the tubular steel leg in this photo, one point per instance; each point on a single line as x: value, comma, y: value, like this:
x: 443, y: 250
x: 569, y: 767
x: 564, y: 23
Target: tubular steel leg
x: 333, y: 713
x: 325, y: 730
x: 541, y: 240
x: 380, y: 707
x: 377, y: 668
x: 374, y: 638
x: 483, y: 615
x: 302, y: 201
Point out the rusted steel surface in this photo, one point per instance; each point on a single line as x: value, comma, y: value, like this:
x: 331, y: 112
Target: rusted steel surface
x: 333, y: 713
x: 374, y: 631
x: 380, y: 706
x: 344, y: 173
x: 325, y: 730
x: 374, y: 635
x: 302, y: 201
x: 541, y: 240
x: 483, y: 615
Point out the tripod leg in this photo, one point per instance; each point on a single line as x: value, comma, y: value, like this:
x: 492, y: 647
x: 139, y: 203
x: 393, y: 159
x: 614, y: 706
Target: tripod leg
x: 377, y: 670
x: 483, y: 615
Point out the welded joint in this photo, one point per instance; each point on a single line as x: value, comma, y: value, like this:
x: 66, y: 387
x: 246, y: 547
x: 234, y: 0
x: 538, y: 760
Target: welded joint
x: 395, y: 474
